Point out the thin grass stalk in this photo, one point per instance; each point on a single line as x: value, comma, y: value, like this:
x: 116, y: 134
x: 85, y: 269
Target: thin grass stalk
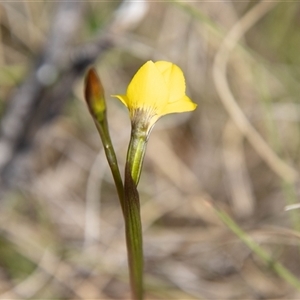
x: 276, y: 266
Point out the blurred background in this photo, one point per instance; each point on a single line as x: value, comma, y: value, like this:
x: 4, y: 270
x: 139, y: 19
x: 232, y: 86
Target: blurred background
x: 62, y: 231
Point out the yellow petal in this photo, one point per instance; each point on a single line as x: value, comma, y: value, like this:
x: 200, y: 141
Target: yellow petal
x: 155, y: 90
x: 163, y: 66
x: 147, y: 88
x: 182, y: 105
x: 122, y: 98
x: 174, y: 79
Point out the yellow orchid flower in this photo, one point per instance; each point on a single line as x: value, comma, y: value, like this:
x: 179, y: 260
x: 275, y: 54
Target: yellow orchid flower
x: 157, y: 89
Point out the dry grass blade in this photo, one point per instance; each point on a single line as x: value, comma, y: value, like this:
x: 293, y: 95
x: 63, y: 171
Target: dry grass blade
x: 282, y: 169
x: 243, y: 201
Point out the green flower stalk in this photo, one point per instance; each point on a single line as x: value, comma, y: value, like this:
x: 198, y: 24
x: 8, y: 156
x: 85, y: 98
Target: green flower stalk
x: 156, y: 89
x: 134, y: 237
x: 136, y: 153
x: 95, y: 99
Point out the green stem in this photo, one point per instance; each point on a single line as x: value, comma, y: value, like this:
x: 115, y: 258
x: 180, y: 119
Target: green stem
x: 102, y: 128
x: 136, y: 153
x: 128, y: 195
x: 134, y: 238
x: 129, y: 199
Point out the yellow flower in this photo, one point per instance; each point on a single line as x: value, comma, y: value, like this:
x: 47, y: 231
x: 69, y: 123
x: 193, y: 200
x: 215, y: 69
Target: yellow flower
x: 157, y: 89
